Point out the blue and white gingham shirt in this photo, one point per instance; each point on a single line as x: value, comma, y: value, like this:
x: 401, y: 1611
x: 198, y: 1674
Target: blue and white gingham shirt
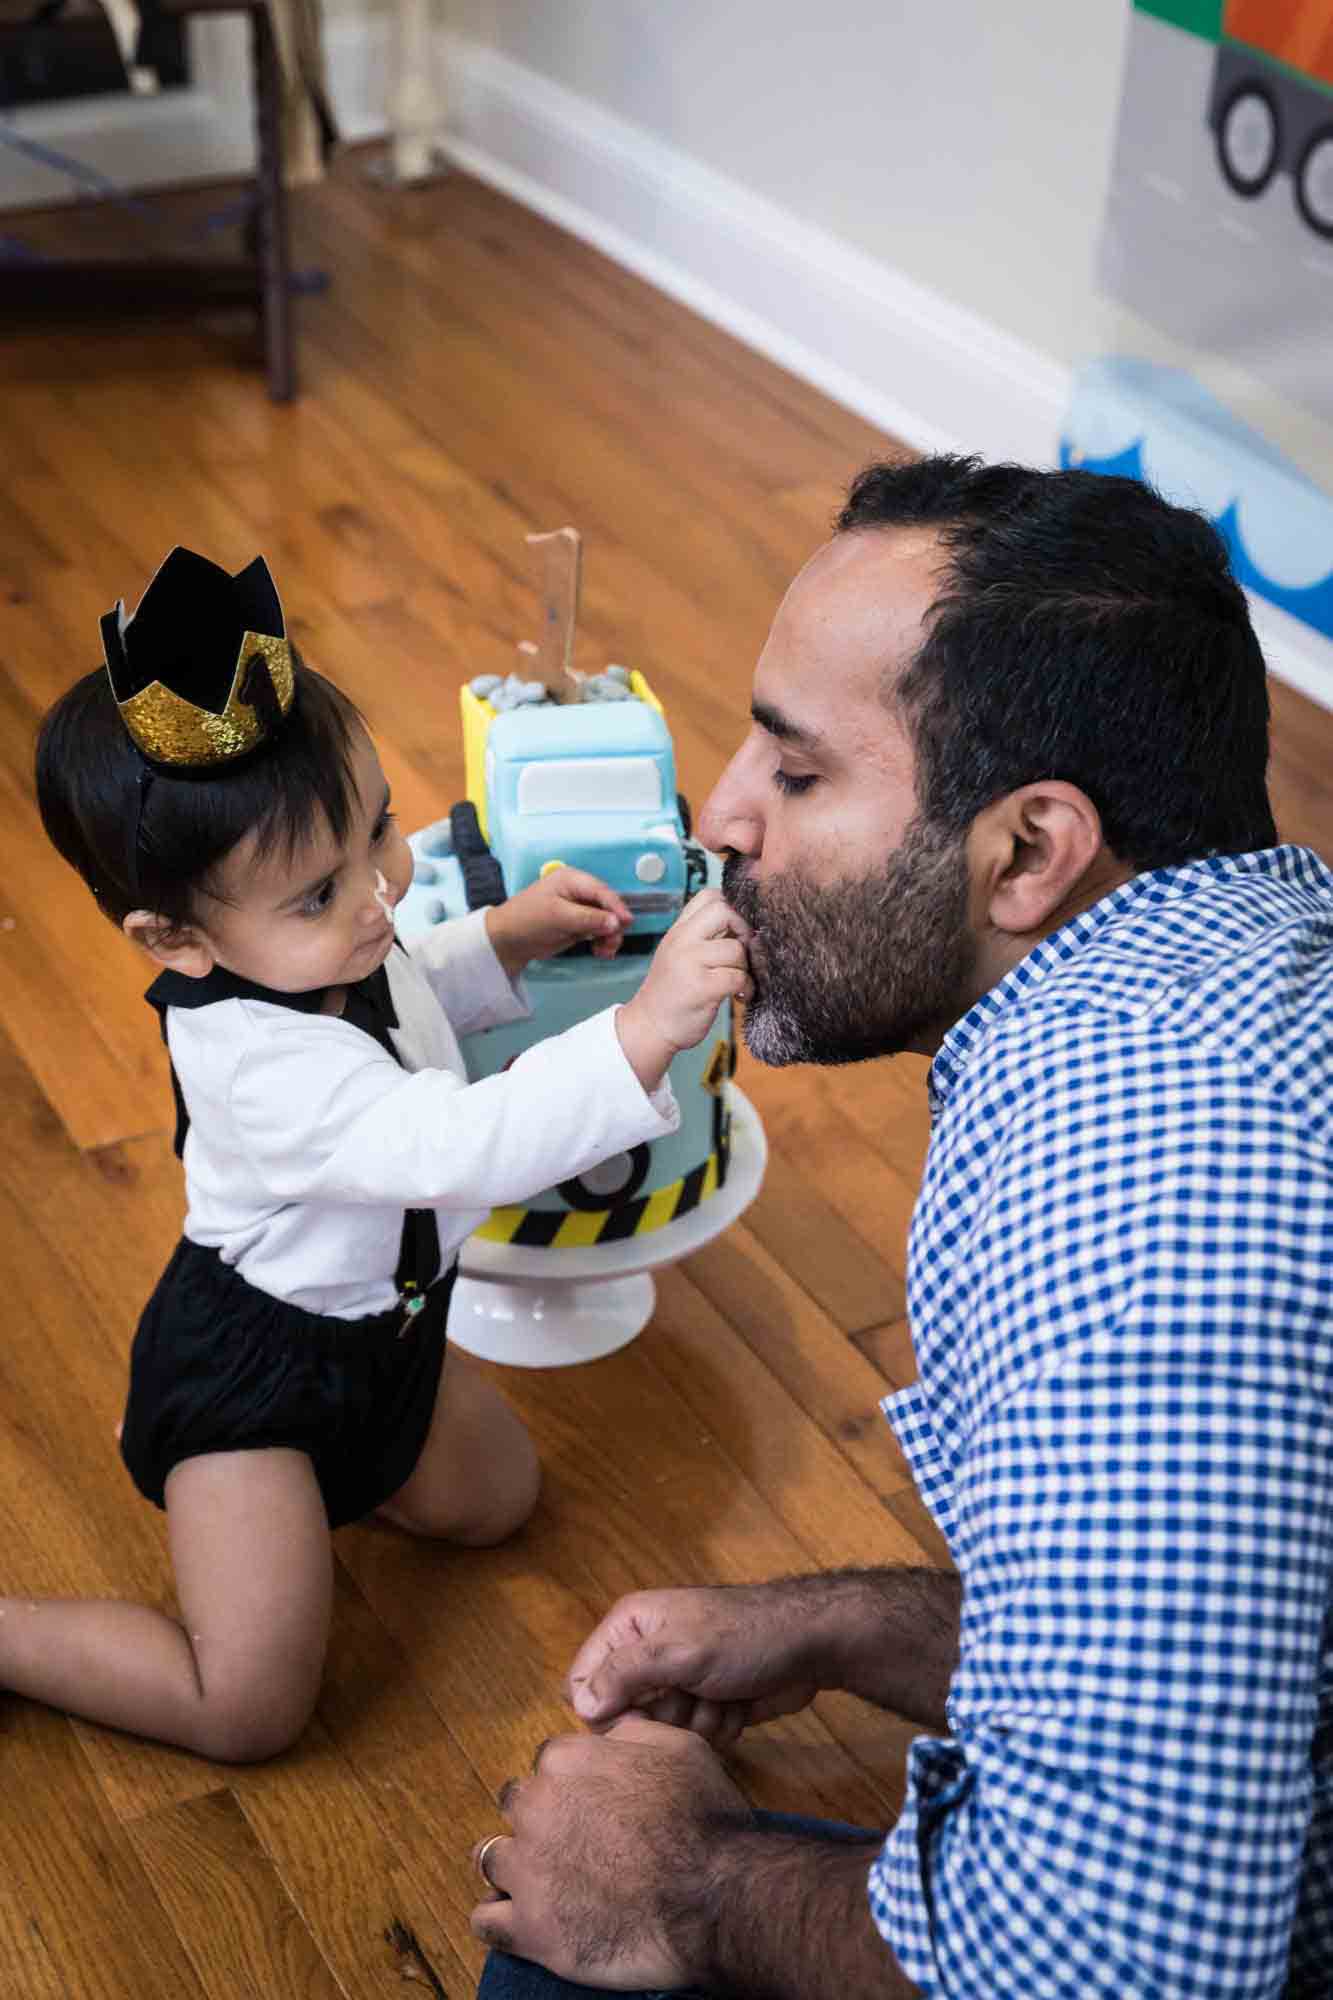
x: 1121, y: 1295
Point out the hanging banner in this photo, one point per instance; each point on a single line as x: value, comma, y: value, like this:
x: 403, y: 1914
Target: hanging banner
x: 1219, y: 232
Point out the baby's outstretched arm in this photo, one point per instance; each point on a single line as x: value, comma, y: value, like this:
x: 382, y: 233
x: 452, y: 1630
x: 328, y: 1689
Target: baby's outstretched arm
x: 356, y: 1127
x: 701, y: 962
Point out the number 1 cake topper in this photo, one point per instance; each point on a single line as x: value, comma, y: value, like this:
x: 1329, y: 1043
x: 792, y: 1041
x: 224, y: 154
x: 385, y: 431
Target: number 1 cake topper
x: 552, y: 658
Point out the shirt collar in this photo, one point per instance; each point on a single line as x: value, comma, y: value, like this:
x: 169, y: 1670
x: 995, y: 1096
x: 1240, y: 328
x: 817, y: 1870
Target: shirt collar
x: 1159, y: 887
x: 368, y: 1004
x: 178, y: 989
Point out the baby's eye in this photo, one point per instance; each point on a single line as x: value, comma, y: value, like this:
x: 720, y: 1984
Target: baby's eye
x: 381, y: 826
x: 319, y: 899
x: 793, y: 785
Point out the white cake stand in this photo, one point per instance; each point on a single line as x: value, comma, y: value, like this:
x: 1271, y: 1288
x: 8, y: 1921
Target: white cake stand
x: 548, y: 1308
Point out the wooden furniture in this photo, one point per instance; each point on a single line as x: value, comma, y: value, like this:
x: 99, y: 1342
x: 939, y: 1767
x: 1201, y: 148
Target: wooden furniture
x: 262, y: 278
x: 416, y: 103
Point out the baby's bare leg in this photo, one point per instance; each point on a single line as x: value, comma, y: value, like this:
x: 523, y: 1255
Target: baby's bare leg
x: 477, y: 1478
x: 237, y: 1678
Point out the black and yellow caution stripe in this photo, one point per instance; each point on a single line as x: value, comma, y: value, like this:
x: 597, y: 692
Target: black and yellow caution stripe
x: 569, y: 1229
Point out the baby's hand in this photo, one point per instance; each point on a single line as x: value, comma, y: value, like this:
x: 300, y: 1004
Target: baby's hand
x: 560, y: 909
x: 700, y: 963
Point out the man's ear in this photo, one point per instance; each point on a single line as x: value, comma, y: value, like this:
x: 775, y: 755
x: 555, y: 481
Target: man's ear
x: 178, y: 947
x: 1036, y: 854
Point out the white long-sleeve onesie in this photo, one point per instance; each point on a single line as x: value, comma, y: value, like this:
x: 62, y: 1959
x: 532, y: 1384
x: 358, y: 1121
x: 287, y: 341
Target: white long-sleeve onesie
x: 307, y: 1141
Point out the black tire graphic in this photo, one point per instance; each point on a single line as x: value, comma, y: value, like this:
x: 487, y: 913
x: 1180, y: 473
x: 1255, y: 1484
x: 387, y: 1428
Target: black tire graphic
x: 1249, y: 138
x: 1313, y: 181
x: 465, y: 830
x: 483, y: 880
x: 580, y: 1194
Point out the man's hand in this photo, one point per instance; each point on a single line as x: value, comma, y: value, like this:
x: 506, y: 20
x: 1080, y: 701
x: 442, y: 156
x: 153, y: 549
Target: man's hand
x: 566, y: 907
x: 635, y: 1863
x: 700, y: 963
x: 604, y: 1878
x: 710, y: 1660
x: 717, y: 1660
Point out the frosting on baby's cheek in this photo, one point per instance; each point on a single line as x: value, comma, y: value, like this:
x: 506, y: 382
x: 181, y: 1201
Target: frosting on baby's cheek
x: 382, y: 895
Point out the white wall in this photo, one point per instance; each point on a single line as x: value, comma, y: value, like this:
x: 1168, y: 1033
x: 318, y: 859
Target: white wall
x: 964, y: 143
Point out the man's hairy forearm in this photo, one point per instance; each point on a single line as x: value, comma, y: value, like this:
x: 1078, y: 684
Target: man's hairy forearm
x: 888, y: 1635
x: 784, y: 1917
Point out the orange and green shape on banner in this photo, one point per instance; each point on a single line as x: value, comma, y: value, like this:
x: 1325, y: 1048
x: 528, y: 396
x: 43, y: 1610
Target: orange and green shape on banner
x: 1296, y: 33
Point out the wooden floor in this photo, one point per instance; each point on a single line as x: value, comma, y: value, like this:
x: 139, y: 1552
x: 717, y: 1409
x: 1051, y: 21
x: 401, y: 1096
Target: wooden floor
x: 471, y: 375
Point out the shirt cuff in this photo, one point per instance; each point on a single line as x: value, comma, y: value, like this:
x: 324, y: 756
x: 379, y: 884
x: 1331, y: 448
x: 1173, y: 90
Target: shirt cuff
x: 469, y: 981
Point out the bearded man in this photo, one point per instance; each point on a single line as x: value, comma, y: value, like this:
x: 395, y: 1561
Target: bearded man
x: 1003, y: 802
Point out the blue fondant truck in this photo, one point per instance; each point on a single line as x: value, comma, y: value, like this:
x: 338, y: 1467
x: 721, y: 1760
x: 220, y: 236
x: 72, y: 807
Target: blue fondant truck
x: 589, y: 783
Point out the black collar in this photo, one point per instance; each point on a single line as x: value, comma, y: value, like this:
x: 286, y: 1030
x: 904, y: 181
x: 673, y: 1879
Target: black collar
x: 177, y: 989
x: 368, y: 1005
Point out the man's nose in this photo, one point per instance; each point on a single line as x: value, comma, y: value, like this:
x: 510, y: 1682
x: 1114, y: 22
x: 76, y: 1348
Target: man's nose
x: 728, y: 818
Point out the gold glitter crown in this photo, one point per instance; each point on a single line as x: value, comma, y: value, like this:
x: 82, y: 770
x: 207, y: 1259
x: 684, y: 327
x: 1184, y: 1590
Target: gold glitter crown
x: 202, y: 670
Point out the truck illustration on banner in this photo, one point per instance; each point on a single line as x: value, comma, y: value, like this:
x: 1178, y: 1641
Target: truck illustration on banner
x: 1271, y: 105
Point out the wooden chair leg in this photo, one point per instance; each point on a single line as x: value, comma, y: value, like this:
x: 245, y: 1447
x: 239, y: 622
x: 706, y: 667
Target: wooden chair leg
x: 273, y: 244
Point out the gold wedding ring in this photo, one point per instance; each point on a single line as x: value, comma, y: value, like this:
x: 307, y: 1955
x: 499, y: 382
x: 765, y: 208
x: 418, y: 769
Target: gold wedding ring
x: 482, y: 1852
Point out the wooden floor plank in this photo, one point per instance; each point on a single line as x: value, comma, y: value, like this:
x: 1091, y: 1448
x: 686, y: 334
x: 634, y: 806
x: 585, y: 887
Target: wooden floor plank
x: 804, y: 1469
x: 343, y: 1871
x: 827, y: 1378
x: 425, y: 1793
x: 71, y: 991
x: 72, y: 1872
x: 243, y: 1933
x: 890, y: 1348
x: 849, y: 1274
x: 860, y: 1131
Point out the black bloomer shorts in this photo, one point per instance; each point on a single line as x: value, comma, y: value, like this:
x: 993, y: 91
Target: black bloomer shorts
x: 218, y: 1365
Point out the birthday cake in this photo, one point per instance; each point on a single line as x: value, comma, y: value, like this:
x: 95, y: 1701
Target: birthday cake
x: 571, y: 769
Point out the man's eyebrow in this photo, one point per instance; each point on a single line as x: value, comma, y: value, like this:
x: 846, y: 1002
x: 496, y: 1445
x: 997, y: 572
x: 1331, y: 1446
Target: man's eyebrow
x: 777, y: 724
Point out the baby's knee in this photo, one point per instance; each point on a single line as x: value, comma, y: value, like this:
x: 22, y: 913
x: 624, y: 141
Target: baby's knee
x: 248, y: 1739
x: 249, y: 1724
x: 482, y: 1502
x: 505, y: 1506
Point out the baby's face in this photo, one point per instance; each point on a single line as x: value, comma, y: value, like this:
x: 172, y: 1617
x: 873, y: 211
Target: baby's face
x: 318, y: 917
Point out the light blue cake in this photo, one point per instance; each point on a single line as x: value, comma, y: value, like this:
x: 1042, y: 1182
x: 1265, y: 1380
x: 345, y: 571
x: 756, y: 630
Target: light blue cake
x: 631, y: 1193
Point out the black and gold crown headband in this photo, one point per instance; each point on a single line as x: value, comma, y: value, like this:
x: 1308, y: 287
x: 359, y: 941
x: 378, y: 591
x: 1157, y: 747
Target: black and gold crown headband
x: 201, y: 674
x: 202, y: 670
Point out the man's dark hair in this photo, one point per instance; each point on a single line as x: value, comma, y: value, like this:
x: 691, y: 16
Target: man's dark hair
x: 1086, y: 630
x: 88, y: 791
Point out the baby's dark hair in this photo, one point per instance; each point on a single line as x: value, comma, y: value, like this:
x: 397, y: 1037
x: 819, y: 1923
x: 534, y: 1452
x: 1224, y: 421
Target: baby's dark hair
x: 88, y: 788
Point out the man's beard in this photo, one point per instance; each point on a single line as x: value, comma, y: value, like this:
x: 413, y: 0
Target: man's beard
x: 863, y: 968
